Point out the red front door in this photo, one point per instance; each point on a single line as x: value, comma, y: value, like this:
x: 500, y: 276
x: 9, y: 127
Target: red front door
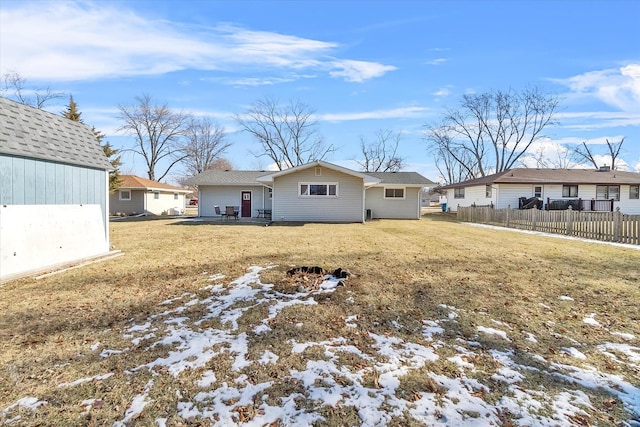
x: 245, y: 212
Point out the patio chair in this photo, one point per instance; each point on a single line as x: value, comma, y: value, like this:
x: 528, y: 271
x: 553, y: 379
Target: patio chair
x: 231, y: 212
x: 218, y: 212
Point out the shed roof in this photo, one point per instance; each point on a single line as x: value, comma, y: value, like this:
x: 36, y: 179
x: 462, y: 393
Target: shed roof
x: 132, y: 182
x: 554, y: 176
x: 29, y: 132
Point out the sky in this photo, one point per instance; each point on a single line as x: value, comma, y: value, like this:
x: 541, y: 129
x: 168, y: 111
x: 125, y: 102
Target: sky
x: 331, y: 378
x: 362, y: 66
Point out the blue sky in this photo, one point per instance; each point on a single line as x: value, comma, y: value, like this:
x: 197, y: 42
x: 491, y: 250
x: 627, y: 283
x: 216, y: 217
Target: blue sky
x: 363, y: 66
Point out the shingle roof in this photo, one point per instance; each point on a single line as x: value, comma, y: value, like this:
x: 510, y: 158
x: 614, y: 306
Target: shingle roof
x: 227, y: 177
x: 135, y: 182
x: 401, y: 178
x: 38, y: 134
x: 234, y: 177
x: 553, y: 176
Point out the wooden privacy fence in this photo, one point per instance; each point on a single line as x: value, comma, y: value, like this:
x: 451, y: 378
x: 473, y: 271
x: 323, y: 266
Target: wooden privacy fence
x: 605, y: 226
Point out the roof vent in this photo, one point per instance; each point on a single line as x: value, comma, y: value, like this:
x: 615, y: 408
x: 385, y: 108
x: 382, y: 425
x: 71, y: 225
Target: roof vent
x: 605, y: 168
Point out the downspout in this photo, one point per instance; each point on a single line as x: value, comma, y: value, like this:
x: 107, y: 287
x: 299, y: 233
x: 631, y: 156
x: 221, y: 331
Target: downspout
x: 364, y: 202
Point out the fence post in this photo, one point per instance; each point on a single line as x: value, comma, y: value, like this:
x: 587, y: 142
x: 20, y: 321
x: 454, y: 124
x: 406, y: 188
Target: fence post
x: 569, y: 225
x: 534, y: 217
x: 617, y: 225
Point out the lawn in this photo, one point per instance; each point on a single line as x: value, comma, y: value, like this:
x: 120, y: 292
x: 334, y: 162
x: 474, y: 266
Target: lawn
x: 441, y: 323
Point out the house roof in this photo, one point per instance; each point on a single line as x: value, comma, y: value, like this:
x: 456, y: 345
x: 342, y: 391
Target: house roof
x: 402, y: 178
x: 227, y: 177
x: 38, y: 134
x: 234, y: 177
x: 132, y: 182
x: 368, y: 179
x: 553, y: 176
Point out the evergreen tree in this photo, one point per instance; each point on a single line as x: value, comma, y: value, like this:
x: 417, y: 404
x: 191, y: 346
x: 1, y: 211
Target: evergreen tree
x: 72, y: 113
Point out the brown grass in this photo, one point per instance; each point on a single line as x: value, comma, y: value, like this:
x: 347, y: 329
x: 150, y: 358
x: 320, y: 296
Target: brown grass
x: 405, y: 271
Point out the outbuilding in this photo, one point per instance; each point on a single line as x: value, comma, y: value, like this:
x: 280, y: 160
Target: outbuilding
x: 54, y: 184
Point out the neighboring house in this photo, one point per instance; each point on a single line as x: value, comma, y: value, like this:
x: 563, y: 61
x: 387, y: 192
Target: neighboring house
x: 54, y: 181
x: 588, y: 189
x: 137, y: 195
x: 314, y: 192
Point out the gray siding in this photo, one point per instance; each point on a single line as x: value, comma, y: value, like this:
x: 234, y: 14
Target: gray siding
x: 407, y: 208
x: 135, y: 205
x: 212, y: 195
x: 289, y: 206
x: 25, y: 181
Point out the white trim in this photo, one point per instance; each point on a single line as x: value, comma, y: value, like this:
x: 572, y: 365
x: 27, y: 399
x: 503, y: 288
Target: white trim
x: 328, y: 184
x: 394, y: 187
x: 122, y: 198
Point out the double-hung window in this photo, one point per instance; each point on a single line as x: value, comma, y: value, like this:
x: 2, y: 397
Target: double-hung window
x: 607, y: 192
x: 487, y: 191
x: 458, y: 193
x: 316, y: 189
x: 634, y: 191
x: 569, y: 191
x: 394, y: 193
x: 125, y: 194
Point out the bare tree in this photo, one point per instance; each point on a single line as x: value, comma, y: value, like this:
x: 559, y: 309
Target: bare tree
x: 555, y: 156
x: 16, y: 85
x: 158, y: 132
x: 382, y: 154
x: 582, y: 153
x: 205, y: 143
x: 454, y: 163
x: 489, y: 132
x: 288, y: 135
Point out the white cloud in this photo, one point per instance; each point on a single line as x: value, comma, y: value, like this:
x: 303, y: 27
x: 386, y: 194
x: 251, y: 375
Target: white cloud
x: 359, y: 71
x: 442, y: 92
x: 619, y: 87
x: 437, y: 61
x: 393, y: 113
x: 75, y: 41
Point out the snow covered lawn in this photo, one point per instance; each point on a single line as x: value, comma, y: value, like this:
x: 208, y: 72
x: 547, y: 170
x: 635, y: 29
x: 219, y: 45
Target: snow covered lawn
x: 213, y: 361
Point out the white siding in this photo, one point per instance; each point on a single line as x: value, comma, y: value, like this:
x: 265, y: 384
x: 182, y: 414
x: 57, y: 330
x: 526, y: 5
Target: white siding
x: 164, y: 204
x: 212, y: 195
x: 289, y: 206
x: 407, y: 208
x: 508, y: 195
x: 472, y: 195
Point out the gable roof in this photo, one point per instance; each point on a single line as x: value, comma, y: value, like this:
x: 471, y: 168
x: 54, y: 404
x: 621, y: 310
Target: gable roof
x: 227, y: 177
x: 38, y: 134
x: 132, y: 182
x: 368, y: 179
x: 402, y: 178
x: 553, y: 176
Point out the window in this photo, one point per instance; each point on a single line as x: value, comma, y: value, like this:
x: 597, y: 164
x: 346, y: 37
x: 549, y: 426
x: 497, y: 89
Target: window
x: 271, y: 193
x: 634, y: 191
x: 458, y: 193
x: 125, y: 194
x: 175, y: 196
x: 569, y: 191
x: 607, y: 192
x: 537, y: 191
x: 318, y: 190
x: 156, y: 195
x: 394, y: 193
x: 487, y: 192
